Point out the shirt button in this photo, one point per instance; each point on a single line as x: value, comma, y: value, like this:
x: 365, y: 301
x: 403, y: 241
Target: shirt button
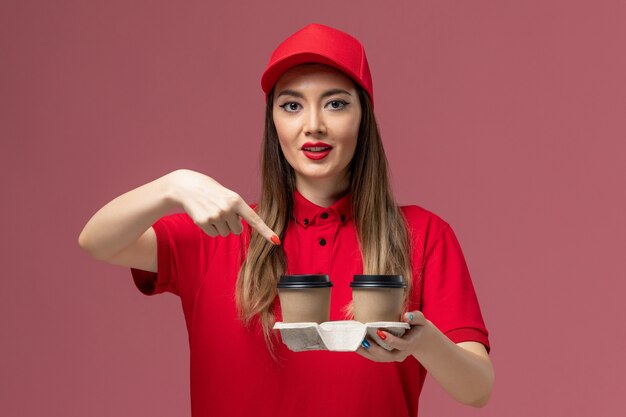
x: 306, y: 221
x: 323, y: 242
x: 324, y: 215
x: 343, y: 218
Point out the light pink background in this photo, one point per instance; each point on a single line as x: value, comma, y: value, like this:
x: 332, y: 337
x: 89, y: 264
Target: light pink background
x: 507, y: 119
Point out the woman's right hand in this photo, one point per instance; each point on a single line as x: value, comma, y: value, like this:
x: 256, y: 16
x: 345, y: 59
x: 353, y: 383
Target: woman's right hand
x: 214, y: 208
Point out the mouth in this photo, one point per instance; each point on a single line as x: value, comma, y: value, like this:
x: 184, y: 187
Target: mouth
x: 316, y: 147
x: 317, y: 153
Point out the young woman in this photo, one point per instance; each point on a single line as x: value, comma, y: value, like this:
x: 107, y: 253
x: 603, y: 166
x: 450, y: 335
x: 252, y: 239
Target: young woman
x: 326, y: 207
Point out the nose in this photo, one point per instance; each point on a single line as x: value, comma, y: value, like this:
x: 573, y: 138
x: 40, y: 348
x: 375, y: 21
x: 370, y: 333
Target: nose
x: 314, y: 122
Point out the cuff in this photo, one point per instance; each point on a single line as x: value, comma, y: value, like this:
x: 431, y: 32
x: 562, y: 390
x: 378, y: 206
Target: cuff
x: 469, y: 334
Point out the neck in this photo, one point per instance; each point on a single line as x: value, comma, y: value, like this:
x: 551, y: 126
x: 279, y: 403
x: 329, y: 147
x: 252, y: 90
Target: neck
x: 322, y: 192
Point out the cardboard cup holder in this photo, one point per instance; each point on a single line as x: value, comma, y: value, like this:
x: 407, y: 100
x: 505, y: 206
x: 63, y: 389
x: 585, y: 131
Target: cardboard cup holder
x: 339, y: 336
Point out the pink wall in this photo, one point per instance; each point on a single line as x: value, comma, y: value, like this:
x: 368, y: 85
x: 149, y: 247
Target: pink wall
x: 505, y: 118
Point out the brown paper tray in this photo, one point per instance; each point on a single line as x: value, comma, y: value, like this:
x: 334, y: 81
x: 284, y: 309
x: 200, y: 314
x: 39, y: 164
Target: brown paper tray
x: 340, y: 336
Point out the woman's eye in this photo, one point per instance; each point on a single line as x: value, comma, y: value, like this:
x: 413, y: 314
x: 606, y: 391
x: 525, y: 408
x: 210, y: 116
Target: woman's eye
x: 334, y: 103
x: 290, y: 107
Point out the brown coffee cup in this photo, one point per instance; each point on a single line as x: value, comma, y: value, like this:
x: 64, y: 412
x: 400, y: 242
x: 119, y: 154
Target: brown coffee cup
x: 304, y: 298
x: 377, y: 297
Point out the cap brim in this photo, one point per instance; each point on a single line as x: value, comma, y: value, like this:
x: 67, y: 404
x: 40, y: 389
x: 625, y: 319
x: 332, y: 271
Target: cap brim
x: 273, y: 73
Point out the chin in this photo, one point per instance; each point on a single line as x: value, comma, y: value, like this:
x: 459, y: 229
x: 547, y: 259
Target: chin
x: 313, y: 174
x: 316, y: 176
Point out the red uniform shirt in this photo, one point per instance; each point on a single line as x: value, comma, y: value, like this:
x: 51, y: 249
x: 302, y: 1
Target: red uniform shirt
x: 232, y: 373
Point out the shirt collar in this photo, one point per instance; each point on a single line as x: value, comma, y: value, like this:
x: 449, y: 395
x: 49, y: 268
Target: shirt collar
x: 307, y: 213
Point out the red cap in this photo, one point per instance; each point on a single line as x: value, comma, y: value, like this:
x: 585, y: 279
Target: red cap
x: 321, y: 44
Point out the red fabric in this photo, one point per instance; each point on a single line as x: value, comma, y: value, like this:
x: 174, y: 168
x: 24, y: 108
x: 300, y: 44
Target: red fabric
x: 231, y: 372
x: 322, y: 44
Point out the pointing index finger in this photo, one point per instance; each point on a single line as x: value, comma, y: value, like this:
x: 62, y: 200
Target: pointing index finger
x: 257, y: 223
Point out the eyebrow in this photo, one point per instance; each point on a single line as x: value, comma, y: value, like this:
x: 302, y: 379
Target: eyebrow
x: 326, y: 94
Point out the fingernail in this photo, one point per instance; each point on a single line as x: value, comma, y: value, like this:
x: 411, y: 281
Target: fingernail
x: 275, y: 240
x: 365, y: 344
x: 409, y: 316
x: 381, y: 334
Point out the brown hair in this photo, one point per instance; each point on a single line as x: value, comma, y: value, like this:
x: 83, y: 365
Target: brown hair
x: 381, y: 228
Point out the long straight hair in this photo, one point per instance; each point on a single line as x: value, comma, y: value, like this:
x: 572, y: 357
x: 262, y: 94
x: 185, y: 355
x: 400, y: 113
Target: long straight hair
x: 381, y: 228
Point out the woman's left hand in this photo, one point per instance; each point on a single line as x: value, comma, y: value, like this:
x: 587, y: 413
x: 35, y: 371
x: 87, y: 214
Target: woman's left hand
x: 409, y: 344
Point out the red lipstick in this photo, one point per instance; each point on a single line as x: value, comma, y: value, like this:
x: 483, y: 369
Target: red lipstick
x: 316, y: 150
